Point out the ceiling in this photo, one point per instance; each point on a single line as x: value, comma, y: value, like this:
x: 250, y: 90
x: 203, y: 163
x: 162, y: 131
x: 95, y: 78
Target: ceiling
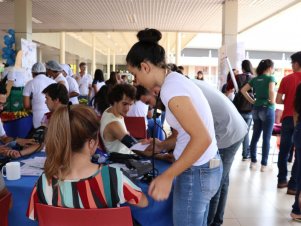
x: 114, y: 23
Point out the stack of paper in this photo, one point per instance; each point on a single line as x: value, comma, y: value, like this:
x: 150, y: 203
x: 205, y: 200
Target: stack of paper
x: 33, y: 167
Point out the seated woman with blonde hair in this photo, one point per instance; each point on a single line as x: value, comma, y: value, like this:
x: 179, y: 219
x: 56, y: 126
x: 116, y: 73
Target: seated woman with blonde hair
x: 70, y: 179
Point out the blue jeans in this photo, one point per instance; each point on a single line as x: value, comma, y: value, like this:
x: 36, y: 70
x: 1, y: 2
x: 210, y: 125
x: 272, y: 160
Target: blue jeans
x: 218, y: 202
x: 264, y: 119
x: 193, y: 190
x: 246, y: 142
x: 297, y: 143
x: 286, y: 142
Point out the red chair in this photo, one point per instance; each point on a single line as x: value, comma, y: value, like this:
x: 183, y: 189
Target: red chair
x: 58, y: 216
x: 4, y: 207
x: 136, y: 127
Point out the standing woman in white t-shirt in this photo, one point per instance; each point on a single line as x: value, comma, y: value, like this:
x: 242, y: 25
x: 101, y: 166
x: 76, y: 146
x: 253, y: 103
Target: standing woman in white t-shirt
x: 197, y: 170
x: 97, y: 83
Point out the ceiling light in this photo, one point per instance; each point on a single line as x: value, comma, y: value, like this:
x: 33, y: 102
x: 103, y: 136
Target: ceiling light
x: 35, y: 20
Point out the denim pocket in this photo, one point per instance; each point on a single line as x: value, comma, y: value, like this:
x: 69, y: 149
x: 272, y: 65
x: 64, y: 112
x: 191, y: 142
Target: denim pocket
x: 210, y: 179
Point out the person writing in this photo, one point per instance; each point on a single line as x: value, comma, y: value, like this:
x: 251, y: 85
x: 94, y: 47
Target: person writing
x: 71, y: 140
x: 195, y: 149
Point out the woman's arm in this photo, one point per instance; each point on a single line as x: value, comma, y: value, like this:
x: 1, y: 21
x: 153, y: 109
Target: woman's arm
x: 182, y: 106
x: 244, y: 90
x: 272, y: 92
x: 95, y: 88
x: 9, y: 85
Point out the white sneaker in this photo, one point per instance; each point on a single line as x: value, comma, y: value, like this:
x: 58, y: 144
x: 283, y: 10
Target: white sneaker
x: 263, y: 168
x: 253, y: 165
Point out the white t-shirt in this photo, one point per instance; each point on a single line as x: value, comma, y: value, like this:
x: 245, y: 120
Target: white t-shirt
x: 176, y: 85
x: 2, y: 131
x: 34, y: 88
x: 18, y: 76
x: 139, y: 109
x: 116, y: 145
x: 61, y: 79
x: 229, y: 126
x: 84, y: 83
x: 73, y: 87
x: 98, y: 86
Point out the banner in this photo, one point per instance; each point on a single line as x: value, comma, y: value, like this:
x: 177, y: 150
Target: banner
x: 29, y: 56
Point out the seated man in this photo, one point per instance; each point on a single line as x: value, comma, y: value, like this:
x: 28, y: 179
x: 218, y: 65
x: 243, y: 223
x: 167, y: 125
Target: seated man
x: 113, y: 131
x: 29, y: 145
x: 56, y: 94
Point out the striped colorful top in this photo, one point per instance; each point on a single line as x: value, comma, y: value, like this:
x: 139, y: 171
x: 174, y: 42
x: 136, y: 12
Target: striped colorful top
x: 107, y: 188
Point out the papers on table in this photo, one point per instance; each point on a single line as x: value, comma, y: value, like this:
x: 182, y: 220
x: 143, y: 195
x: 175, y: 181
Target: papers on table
x: 33, y: 167
x: 139, y: 147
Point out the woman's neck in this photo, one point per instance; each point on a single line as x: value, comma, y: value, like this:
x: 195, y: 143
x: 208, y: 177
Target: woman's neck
x: 81, y: 166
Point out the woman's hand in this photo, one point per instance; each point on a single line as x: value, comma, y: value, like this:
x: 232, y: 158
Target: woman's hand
x: 160, y: 187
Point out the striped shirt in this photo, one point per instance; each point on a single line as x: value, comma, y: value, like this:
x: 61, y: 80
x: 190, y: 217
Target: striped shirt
x: 107, y: 188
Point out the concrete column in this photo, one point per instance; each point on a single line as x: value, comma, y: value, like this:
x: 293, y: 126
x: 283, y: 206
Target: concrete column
x: 63, y: 48
x: 23, y: 23
x: 178, y: 48
x: 93, y: 68
x: 77, y: 66
x: 39, y: 54
x: 168, y: 54
x: 230, y: 48
x: 114, y: 61
x: 108, y: 63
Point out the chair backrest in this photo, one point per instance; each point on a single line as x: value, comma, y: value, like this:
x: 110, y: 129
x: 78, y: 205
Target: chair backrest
x: 136, y: 127
x: 4, y: 207
x: 58, y: 216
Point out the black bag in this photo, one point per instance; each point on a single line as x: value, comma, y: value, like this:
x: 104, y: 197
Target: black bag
x: 240, y: 102
x: 38, y: 134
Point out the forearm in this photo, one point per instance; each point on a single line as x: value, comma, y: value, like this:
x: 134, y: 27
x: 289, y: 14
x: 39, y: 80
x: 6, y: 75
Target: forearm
x: 73, y: 94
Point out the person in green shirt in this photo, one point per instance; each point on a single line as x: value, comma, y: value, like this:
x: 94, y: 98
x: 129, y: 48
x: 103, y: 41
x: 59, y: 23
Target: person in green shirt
x: 263, y: 109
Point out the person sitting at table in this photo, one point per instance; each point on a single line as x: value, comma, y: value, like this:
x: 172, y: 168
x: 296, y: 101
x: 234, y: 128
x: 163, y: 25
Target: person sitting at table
x: 32, y: 93
x: 139, y: 108
x: 69, y: 176
x: 56, y: 95
x: 113, y: 131
x: 29, y: 145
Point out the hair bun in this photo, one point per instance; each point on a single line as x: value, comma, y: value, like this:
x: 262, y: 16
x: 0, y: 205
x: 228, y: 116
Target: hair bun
x: 149, y: 35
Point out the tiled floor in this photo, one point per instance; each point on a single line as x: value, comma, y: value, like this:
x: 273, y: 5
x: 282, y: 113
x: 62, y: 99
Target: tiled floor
x: 254, y: 199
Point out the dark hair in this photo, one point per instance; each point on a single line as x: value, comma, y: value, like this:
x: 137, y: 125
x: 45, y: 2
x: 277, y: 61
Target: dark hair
x: 98, y: 76
x: 296, y: 57
x: 3, y: 88
x: 180, y: 67
x: 82, y: 64
x: 57, y: 91
x: 263, y: 65
x: 101, y: 102
x: 297, y: 101
x: 113, y: 79
x: 247, y: 67
x: 172, y: 67
x: 147, y: 49
x: 120, y: 90
x: 141, y: 91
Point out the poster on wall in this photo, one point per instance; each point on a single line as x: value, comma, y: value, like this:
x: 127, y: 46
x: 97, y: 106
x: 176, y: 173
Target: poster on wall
x: 29, y: 56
